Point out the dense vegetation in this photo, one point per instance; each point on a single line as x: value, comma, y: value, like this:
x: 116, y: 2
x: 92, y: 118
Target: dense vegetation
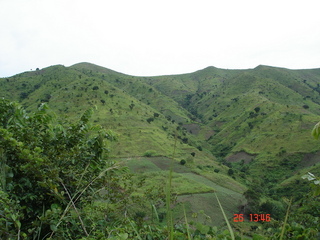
x: 212, y: 130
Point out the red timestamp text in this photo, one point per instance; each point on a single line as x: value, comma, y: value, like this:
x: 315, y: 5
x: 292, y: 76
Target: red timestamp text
x: 252, y: 217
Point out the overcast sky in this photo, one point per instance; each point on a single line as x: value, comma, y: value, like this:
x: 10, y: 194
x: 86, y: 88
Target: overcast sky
x: 149, y: 37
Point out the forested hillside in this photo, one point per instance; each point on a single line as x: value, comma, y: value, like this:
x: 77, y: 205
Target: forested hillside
x: 86, y: 156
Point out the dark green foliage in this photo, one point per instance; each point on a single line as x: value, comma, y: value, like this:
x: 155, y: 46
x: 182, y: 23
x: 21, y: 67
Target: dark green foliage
x: 150, y: 153
x: 193, y: 154
x: 221, y: 150
x: 185, y: 140
x: 150, y: 119
x: 253, y: 115
x: 275, y: 208
x: 95, y: 88
x: 10, y: 216
x: 23, y: 95
x: 183, y: 162
x: 46, y: 98
x: 46, y: 164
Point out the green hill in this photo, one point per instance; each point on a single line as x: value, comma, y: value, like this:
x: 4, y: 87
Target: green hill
x: 265, y: 111
x: 240, y: 129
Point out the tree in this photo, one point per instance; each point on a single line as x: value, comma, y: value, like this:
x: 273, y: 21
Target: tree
x: 23, y: 95
x: 183, y: 162
x: 185, y: 140
x: 49, y: 171
x: 150, y: 119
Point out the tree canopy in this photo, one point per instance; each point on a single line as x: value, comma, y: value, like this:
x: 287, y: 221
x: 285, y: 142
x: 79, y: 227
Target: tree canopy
x: 48, y: 171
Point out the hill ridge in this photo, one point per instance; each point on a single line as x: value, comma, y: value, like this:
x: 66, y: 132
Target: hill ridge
x: 220, y: 111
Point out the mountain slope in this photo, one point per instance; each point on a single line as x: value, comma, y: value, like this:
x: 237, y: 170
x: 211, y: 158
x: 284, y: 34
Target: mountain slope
x: 244, y: 134
x: 143, y: 118
x: 267, y: 112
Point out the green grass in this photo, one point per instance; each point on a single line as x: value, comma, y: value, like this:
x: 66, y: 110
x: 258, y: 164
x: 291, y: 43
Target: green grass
x: 195, y: 191
x: 230, y: 95
x: 141, y: 165
x: 181, y: 185
x: 268, y: 112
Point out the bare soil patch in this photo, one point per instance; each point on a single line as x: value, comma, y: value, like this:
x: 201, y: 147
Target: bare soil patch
x: 237, y: 157
x: 310, y: 159
x: 192, y: 128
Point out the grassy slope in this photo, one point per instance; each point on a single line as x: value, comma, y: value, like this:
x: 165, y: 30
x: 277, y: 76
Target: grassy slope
x: 267, y: 112
x: 194, y: 190
x: 70, y: 91
x: 225, y: 102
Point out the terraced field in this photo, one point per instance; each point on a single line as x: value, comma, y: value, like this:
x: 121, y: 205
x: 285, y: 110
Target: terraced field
x: 195, y: 191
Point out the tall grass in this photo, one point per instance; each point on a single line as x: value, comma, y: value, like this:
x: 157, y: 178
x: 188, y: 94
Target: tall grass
x: 187, y: 225
x: 285, y: 220
x: 75, y: 198
x: 225, y: 218
x: 168, y: 194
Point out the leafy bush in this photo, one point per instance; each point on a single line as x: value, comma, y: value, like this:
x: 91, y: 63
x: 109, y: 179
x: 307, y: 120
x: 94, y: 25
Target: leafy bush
x: 230, y: 172
x: 23, y: 95
x: 150, y: 153
x: 50, y: 172
x: 257, y: 109
x: 10, y: 216
x: 150, y: 119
